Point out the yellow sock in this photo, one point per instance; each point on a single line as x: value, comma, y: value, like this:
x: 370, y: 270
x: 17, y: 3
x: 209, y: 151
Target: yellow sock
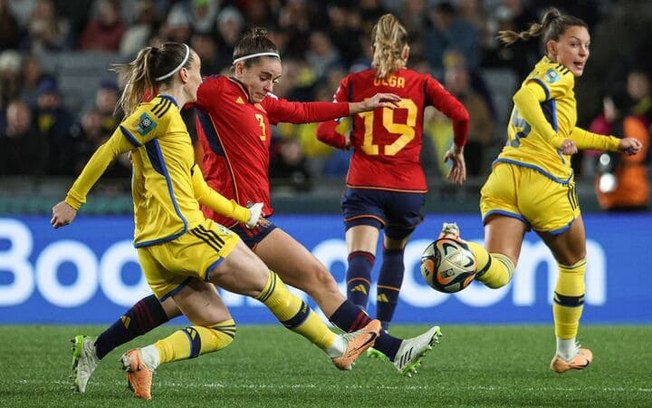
x: 494, y: 270
x: 295, y: 314
x: 192, y: 341
x: 569, y: 299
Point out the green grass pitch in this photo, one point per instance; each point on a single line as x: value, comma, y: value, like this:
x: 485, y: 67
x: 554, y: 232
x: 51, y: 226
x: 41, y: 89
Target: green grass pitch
x: 267, y: 366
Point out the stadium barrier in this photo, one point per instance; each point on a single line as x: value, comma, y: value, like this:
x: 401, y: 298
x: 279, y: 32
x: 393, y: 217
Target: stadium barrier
x: 88, y: 272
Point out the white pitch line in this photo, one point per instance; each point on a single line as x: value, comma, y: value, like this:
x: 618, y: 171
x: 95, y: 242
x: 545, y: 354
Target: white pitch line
x: 357, y: 387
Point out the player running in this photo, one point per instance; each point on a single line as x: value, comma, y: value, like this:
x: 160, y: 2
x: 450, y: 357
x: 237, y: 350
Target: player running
x: 531, y: 185
x: 386, y: 185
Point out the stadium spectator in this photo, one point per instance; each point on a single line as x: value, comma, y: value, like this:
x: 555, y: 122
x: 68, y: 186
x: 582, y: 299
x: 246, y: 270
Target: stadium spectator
x: 514, y: 15
x: 32, y: 74
x: 105, y: 102
x: 638, y: 88
x: 621, y: 182
x: 104, y: 33
x: 205, y: 46
x: 448, y: 31
x: 89, y: 134
x: 200, y: 14
x: 9, y: 27
x: 288, y: 165
x: 146, y: 22
x: 177, y: 27
x: 54, y: 122
x: 46, y: 31
x: 294, y: 20
x: 386, y: 184
x: 10, y: 79
x: 184, y: 267
x: 23, y: 151
x: 457, y: 80
x: 370, y: 12
x: 531, y: 184
x: 322, y: 55
x: 230, y: 25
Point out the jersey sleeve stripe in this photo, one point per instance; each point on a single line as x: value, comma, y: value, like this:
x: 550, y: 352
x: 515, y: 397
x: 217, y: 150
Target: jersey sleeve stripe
x: 131, y: 138
x: 543, y: 85
x: 161, y: 108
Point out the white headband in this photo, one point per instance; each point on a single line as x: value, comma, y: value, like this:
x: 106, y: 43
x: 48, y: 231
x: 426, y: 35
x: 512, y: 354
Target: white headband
x: 258, y: 54
x: 169, y: 74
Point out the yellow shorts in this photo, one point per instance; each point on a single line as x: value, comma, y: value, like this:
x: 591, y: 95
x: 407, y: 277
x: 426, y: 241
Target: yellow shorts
x: 170, y: 265
x: 525, y: 194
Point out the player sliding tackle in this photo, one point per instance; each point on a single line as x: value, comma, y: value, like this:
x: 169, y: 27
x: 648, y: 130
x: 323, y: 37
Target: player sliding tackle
x: 235, y: 116
x: 181, y: 253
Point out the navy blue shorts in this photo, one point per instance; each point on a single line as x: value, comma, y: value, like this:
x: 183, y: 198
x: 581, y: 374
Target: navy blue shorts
x: 251, y: 237
x: 398, y: 213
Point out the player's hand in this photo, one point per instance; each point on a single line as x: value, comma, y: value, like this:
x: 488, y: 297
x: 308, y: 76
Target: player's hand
x: 347, y: 142
x: 379, y: 100
x: 457, y: 174
x: 256, y: 218
x: 568, y: 147
x: 62, y: 214
x: 629, y: 146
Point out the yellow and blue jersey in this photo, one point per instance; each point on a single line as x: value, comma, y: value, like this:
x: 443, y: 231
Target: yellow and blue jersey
x: 529, y: 144
x: 165, y: 206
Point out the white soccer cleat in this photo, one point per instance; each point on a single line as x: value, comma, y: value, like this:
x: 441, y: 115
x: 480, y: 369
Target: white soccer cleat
x: 411, y: 352
x: 450, y: 230
x: 84, y: 361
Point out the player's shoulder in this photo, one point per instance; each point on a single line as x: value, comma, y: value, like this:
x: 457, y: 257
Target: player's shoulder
x: 552, y: 73
x: 152, y: 114
x: 360, y: 76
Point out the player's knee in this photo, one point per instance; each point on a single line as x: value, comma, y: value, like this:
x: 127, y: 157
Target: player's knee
x: 320, y: 279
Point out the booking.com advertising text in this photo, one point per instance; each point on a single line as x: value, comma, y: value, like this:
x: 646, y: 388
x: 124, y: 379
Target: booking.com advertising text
x: 88, y: 272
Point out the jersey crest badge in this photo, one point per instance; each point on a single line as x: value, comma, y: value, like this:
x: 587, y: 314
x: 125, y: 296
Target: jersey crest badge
x: 551, y: 76
x: 145, y: 124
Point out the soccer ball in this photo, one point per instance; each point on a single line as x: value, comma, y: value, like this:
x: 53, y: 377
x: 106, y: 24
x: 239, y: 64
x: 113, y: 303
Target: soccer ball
x: 448, y: 265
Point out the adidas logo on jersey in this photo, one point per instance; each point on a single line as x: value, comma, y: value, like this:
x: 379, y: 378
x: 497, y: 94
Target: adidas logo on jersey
x: 239, y: 101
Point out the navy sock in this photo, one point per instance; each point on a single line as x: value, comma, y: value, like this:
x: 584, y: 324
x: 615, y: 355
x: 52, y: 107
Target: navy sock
x: 358, y: 277
x: 350, y: 317
x: 390, y: 280
x: 144, y: 316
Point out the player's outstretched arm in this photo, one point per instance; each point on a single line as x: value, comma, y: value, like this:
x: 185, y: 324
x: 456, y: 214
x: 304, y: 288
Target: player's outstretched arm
x: 379, y: 100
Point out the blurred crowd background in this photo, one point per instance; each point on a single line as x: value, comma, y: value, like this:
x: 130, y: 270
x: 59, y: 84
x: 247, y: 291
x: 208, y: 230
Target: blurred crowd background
x: 57, y: 95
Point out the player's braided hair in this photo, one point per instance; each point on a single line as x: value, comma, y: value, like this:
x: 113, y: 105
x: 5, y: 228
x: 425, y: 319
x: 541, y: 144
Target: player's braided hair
x: 553, y: 24
x: 253, y: 42
x: 389, y: 38
x: 140, y: 74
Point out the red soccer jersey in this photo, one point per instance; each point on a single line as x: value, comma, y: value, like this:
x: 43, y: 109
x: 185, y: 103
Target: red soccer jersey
x: 387, y: 142
x: 235, y: 135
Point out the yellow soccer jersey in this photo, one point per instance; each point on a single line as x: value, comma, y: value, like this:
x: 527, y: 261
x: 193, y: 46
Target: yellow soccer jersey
x: 165, y: 206
x: 531, y: 143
